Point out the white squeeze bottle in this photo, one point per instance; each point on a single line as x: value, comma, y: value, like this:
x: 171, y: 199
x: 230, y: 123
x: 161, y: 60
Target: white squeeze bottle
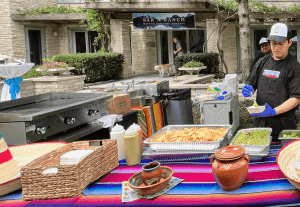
x: 132, y: 147
x: 139, y: 130
x: 118, y: 133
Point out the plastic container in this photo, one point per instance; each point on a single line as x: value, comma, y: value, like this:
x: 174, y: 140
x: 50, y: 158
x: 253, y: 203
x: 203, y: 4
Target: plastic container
x: 139, y: 130
x: 118, y: 133
x: 132, y: 147
x: 256, y: 110
x: 206, y: 96
x: 221, y: 112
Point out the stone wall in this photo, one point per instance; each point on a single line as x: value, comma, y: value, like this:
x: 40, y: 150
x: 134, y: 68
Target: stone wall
x: 144, y: 51
x: 46, y: 84
x: 212, y: 34
x: 5, y: 31
x: 11, y: 31
x: 120, y: 43
x: 229, y: 47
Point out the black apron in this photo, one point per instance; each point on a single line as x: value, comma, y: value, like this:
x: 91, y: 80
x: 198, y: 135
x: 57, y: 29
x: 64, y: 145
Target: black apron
x: 274, y: 92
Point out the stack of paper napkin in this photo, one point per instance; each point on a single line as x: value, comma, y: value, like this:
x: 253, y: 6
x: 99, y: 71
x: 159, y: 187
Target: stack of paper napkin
x: 73, y: 157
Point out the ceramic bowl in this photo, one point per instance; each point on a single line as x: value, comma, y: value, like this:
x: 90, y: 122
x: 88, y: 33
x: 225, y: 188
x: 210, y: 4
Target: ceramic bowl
x: 136, y: 182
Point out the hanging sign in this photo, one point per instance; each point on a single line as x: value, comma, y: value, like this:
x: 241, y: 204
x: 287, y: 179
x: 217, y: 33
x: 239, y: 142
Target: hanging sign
x: 163, y: 20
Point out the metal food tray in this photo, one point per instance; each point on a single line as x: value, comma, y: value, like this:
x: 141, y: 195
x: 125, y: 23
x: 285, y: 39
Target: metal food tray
x: 258, y: 156
x: 254, y: 148
x: 210, y: 145
x: 184, y: 155
x: 285, y: 140
x: 180, y: 155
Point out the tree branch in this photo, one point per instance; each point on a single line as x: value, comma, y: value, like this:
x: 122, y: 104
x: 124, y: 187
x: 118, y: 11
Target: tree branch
x: 218, y: 27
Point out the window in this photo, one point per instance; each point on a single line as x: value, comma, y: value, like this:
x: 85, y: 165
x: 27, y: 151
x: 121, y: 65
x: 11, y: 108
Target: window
x: 197, y: 40
x: 81, y: 41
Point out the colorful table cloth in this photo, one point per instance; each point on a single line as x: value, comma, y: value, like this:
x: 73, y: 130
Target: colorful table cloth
x: 265, y: 186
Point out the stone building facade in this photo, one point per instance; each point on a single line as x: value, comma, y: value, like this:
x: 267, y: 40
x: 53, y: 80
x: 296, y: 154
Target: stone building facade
x: 142, y: 49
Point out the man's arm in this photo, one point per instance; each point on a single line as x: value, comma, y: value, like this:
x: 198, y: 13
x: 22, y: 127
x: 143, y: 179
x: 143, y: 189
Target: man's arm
x: 287, y: 105
x: 176, y: 51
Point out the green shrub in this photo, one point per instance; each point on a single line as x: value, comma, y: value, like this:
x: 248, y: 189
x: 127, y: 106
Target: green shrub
x: 33, y: 73
x: 96, y: 66
x: 211, y: 60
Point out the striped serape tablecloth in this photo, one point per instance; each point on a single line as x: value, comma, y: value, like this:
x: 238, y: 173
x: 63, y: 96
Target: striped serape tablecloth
x: 158, y: 115
x: 142, y: 121
x: 265, y: 186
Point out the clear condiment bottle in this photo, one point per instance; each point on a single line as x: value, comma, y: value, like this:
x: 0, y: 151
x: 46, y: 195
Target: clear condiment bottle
x: 132, y: 147
x: 118, y: 133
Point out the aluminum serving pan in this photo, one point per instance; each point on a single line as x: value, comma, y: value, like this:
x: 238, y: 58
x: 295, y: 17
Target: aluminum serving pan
x: 188, y: 155
x: 257, y: 156
x: 178, y: 155
x: 254, y: 148
x: 285, y: 140
x: 210, y: 145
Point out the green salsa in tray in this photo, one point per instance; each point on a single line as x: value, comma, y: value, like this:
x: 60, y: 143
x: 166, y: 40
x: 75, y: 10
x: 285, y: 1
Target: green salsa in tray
x: 254, y: 140
x: 255, y: 137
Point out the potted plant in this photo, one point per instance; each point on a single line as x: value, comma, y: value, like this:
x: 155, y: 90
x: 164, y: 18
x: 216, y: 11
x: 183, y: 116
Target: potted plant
x: 52, y: 67
x: 192, y: 67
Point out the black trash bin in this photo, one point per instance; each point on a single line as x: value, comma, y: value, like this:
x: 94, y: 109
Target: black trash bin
x: 178, y: 107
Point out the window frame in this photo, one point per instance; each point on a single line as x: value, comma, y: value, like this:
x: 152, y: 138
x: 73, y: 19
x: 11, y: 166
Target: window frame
x: 72, y: 39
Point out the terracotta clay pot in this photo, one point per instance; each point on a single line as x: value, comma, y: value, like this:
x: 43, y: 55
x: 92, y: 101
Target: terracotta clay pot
x: 151, y: 173
x: 230, y: 167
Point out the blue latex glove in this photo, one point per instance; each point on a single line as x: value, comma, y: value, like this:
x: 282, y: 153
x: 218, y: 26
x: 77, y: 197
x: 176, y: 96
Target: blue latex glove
x: 220, y: 98
x: 266, y: 113
x: 246, y: 90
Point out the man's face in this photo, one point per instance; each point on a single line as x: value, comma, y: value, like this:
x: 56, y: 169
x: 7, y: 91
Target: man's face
x: 175, y: 40
x: 280, y: 49
x: 265, y: 48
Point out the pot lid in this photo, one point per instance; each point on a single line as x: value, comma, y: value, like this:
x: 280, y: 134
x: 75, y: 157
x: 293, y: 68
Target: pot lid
x: 231, y: 152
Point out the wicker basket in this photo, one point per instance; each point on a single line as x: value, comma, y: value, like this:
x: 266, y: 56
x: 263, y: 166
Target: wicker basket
x: 70, y: 180
x: 285, y: 159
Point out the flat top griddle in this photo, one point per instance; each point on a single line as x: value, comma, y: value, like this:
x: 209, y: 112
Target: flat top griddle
x: 29, y: 108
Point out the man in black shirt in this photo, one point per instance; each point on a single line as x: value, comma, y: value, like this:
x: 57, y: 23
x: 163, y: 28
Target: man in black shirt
x: 265, y: 49
x: 276, y: 77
